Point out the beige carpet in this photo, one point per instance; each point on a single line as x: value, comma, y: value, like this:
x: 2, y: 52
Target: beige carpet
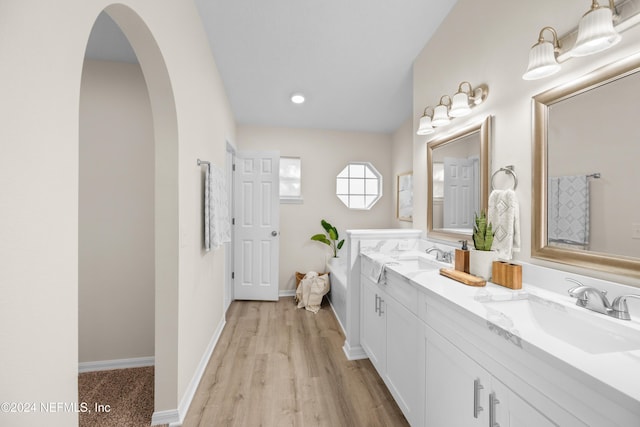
x: 121, y: 397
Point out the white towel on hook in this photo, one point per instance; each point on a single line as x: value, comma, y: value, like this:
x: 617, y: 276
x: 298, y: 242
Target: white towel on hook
x: 217, y: 228
x: 504, y: 215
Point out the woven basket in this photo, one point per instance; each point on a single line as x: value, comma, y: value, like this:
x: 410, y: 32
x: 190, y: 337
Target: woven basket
x: 300, y: 276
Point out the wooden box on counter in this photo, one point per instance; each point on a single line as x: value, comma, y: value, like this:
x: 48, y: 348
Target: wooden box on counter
x: 507, y: 274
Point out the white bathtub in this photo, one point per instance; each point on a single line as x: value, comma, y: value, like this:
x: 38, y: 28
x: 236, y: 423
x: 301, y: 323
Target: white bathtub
x: 337, y: 268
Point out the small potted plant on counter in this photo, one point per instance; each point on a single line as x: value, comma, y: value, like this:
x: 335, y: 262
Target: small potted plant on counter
x: 481, y: 260
x: 331, y: 238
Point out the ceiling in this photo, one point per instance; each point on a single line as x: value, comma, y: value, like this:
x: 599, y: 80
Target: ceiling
x: 351, y: 59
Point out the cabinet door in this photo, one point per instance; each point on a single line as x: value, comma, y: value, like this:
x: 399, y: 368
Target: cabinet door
x: 403, y: 359
x: 457, y: 391
x: 373, y: 324
x: 511, y: 410
x: 521, y: 414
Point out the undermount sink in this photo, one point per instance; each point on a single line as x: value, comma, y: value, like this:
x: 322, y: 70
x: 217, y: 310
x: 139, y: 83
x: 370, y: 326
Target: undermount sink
x: 420, y: 262
x: 589, y: 331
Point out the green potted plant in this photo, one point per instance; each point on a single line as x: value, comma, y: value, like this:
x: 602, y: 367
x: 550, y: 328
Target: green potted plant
x: 482, y: 233
x: 481, y: 260
x: 331, y: 238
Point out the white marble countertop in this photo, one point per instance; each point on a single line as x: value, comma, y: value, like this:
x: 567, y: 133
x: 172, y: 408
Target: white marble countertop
x: 616, y: 373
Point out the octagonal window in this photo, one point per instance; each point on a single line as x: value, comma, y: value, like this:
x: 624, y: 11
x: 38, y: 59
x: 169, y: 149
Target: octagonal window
x: 359, y: 185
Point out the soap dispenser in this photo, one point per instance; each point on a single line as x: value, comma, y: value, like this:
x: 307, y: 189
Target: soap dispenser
x: 462, y: 258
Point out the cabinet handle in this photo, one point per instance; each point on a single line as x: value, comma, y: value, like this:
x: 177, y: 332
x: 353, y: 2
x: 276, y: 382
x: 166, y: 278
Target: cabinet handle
x: 380, y: 312
x: 493, y: 401
x: 476, y: 398
x: 377, y: 303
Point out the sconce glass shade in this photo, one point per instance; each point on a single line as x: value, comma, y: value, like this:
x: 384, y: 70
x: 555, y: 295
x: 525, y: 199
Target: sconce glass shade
x: 595, y: 32
x: 440, y: 116
x: 460, y: 105
x: 542, y: 61
x: 425, y: 127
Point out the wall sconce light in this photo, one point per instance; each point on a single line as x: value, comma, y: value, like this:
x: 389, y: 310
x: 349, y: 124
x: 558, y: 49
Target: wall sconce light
x: 425, y: 127
x: 465, y: 98
x: 542, y: 57
x: 595, y: 34
x: 595, y: 30
x: 441, y: 112
x: 460, y: 105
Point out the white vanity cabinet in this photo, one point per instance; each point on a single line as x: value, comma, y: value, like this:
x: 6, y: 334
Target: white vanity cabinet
x: 447, y: 363
x: 391, y: 338
x: 469, y: 381
x: 459, y: 392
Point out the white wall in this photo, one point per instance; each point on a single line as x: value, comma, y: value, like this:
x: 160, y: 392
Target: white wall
x: 42, y: 52
x: 116, y: 289
x: 401, y: 162
x: 493, y: 49
x: 323, y: 155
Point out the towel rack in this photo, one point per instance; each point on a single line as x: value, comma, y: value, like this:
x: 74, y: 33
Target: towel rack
x: 203, y: 162
x: 509, y: 171
x: 595, y: 175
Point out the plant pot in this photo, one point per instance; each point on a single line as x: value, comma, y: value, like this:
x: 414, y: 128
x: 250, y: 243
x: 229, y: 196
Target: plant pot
x: 481, y: 263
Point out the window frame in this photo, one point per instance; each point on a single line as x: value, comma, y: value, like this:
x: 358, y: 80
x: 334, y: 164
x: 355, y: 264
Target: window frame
x: 291, y: 199
x: 368, y: 167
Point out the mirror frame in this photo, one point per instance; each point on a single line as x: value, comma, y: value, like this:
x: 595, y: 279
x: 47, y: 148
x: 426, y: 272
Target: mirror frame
x: 484, y: 129
x: 617, y: 264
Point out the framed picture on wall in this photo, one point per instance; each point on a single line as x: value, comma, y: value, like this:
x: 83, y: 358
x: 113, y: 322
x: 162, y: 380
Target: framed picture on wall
x: 404, y: 200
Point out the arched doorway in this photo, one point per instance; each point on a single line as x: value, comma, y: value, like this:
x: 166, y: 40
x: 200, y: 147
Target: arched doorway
x: 164, y: 161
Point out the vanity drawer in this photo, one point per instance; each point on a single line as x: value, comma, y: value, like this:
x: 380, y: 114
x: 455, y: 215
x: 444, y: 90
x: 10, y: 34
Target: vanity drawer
x: 403, y: 291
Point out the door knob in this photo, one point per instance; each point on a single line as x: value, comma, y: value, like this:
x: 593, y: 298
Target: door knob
x: 274, y: 233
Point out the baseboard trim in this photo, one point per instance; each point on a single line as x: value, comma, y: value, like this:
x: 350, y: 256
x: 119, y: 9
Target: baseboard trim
x: 107, y: 365
x: 188, y: 395
x: 175, y: 417
x: 287, y: 293
x: 344, y: 332
x: 354, y: 353
x: 171, y: 417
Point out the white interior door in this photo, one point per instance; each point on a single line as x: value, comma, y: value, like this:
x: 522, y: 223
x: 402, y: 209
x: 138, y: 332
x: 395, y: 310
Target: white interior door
x: 256, y: 230
x: 459, y: 184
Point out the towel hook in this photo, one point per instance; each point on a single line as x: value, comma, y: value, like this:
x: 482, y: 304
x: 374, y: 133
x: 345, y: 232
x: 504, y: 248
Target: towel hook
x: 509, y: 170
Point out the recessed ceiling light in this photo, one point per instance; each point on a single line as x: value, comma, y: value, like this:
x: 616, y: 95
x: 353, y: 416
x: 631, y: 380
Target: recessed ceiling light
x: 297, y: 98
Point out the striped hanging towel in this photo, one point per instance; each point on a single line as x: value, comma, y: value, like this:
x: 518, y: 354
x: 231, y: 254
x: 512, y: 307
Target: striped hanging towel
x: 568, y: 211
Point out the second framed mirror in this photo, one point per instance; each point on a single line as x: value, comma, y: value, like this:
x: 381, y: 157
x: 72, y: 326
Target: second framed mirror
x: 458, y: 181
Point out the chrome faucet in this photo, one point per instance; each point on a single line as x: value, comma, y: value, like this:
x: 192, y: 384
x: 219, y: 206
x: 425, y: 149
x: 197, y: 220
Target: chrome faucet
x: 619, y: 308
x: 589, y: 297
x: 440, y: 254
x: 596, y: 300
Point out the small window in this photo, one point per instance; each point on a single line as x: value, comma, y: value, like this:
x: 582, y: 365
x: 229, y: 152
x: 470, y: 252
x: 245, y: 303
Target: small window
x: 359, y: 185
x: 290, y: 185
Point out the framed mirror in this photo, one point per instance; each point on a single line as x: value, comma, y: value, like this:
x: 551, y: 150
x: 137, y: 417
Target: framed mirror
x: 458, y: 181
x: 586, y: 211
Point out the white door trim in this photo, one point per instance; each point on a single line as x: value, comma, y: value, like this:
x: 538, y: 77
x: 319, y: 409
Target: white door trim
x: 230, y: 159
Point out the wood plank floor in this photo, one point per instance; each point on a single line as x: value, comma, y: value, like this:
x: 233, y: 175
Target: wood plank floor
x: 276, y: 365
